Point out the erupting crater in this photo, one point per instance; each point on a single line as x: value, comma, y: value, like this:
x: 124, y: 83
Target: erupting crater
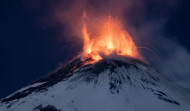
x: 107, y: 36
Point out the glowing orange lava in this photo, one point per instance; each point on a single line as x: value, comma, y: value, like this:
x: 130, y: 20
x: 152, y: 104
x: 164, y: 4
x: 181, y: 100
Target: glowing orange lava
x: 106, y: 37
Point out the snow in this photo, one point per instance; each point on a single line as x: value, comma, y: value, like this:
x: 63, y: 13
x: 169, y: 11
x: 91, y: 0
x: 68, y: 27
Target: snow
x: 76, y: 94
x: 30, y: 86
x: 24, y: 88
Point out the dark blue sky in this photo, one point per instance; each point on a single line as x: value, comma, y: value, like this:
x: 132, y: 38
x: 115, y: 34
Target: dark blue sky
x: 30, y: 49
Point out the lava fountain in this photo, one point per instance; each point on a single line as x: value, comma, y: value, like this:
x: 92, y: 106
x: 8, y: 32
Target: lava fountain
x: 106, y: 36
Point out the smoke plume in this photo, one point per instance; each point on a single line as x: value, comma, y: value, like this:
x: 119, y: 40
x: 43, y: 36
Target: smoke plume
x: 143, y: 19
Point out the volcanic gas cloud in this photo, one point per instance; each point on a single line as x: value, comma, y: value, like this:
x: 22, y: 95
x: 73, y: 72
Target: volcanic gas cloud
x: 101, y: 27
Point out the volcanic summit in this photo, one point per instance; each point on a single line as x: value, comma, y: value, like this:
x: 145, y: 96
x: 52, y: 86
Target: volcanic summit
x: 119, y: 83
x: 110, y: 75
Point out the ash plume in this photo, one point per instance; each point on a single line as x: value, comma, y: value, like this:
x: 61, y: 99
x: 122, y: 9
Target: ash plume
x: 143, y: 19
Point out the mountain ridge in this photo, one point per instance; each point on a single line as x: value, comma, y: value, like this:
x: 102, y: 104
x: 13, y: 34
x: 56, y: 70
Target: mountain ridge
x: 110, y: 77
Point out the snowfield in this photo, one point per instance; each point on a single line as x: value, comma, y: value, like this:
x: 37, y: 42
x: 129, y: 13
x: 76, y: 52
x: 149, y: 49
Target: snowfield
x: 119, y: 84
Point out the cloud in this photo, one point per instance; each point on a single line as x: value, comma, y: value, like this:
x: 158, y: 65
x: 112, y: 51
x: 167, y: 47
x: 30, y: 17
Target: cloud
x: 178, y: 66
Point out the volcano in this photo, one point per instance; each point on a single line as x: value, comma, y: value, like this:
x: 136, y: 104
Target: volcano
x: 110, y: 84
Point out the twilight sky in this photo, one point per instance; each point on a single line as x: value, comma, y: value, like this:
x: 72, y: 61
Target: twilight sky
x: 30, y: 47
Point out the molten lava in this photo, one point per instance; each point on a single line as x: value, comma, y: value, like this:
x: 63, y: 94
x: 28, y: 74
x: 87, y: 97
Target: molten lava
x: 107, y: 36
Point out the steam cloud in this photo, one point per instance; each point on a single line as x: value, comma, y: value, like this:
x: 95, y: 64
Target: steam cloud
x: 143, y: 19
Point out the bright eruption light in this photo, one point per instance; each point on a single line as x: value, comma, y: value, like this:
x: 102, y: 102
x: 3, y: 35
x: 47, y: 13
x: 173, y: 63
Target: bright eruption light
x: 107, y: 36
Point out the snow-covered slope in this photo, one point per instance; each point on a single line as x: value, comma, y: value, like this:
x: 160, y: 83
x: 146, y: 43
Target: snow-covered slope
x: 119, y: 84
